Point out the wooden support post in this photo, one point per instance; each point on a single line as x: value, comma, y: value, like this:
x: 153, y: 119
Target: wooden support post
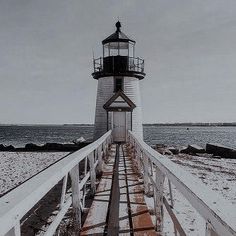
x: 100, y: 161
x: 92, y: 172
x: 209, y: 230
x: 106, y: 146
x: 151, y: 167
x: 104, y: 151
x: 15, y: 231
x: 84, y: 187
x: 146, y: 174
x: 171, y: 196
x: 74, y: 174
x: 63, y: 192
x: 138, y: 156
x: 160, y: 177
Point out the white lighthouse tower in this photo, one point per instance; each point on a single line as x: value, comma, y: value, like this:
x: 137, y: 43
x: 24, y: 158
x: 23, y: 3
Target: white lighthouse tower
x: 118, y: 71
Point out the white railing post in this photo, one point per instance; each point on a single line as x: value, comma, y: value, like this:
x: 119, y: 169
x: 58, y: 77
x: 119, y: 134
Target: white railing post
x: 74, y: 174
x: 63, y: 191
x: 92, y: 172
x: 15, y: 231
x: 209, y: 230
x: 104, y: 157
x: 171, y: 195
x: 159, y: 189
x: 100, y: 161
x: 138, y: 158
x: 147, y: 184
x: 84, y: 187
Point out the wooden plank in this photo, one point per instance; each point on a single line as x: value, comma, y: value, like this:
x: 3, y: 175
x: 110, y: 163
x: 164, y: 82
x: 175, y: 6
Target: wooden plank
x: 113, y: 213
x: 123, y: 210
x: 95, y: 222
x: 221, y: 215
x: 142, y: 222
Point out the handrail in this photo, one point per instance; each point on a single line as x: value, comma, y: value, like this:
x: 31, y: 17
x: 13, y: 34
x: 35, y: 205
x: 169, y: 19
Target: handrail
x: 15, y: 204
x: 133, y: 64
x: 218, y: 213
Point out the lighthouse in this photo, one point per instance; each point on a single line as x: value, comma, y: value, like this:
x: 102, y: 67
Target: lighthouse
x: 118, y: 71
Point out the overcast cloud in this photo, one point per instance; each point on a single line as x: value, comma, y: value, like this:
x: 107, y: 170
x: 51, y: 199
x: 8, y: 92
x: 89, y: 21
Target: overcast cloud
x: 46, y: 47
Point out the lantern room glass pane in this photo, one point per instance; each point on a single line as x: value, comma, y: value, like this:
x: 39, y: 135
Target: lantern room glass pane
x: 114, y: 52
x: 131, y: 50
x: 119, y: 49
x: 124, y: 52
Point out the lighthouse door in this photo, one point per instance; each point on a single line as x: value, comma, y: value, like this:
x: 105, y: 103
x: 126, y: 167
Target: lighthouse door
x: 119, y: 126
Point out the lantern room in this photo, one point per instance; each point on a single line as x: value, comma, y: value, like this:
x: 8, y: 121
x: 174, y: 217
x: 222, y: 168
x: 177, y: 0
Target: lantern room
x: 118, y: 44
x: 118, y: 57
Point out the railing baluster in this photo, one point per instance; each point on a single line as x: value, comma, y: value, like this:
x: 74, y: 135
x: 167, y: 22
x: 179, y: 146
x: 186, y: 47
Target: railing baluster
x: 63, y: 191
x: 147, y: 184
x: 209, y: 230
x: 74, y: 173
x: 171, y: 196
x: 100, y: 161
x: 84, y: 187
x: 160, y: 177
x: 151, y: 167
x: 92, y: 172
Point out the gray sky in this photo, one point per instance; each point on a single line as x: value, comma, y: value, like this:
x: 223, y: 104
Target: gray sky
x: 189, y: 47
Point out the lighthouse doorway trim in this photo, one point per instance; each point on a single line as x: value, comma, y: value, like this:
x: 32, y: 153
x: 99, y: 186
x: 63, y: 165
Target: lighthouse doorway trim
x: 119, y: 110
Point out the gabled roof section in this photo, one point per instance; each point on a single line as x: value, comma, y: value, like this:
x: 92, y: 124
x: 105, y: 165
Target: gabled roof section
x: 119, y: 101
x: 118, y: 36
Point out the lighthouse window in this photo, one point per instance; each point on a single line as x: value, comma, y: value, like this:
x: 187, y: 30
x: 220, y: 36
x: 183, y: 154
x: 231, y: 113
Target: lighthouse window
x: 118, y: 84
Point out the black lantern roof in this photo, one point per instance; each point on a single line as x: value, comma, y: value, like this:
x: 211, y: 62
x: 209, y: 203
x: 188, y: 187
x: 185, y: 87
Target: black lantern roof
x: 118, y: 36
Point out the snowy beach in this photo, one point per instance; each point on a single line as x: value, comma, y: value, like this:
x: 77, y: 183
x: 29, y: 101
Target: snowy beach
x: 17, y: 167
x: 218, y: 174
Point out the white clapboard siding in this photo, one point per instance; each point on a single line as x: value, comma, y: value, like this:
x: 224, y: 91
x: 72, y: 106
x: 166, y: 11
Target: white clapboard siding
x: 132, y: 90
x: 104, y: 92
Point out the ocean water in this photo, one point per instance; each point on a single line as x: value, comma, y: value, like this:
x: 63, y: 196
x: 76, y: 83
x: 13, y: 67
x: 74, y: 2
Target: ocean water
x: 183, y: 135
x: 19, y: 135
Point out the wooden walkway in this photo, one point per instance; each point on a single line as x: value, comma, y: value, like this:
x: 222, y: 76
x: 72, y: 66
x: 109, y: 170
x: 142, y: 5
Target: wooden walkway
x: 119, y: 207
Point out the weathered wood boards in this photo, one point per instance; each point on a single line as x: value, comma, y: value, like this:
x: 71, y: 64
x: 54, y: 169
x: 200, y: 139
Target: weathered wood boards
x: 211, y: 206
x: 133, y: 215
x: 141, y: 220
x: 220, y: 150
x: 96, y: 220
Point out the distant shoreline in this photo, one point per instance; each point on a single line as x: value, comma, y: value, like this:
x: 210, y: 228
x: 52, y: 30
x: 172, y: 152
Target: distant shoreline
x: 194, y: 124
x: 219, y: 124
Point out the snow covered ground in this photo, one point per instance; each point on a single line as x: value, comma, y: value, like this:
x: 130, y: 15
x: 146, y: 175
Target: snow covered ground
x: 16, y: 167
x: 218, y: 174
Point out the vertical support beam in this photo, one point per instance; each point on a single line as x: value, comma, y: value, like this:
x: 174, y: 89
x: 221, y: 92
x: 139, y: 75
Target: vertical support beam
x: 209, y: 230
x: 100, y: 161
x: 160, y: 177
x: 92, y: 172
x: 138, y: 156
x: 171, y: 196
x: 146, y: 173
x: 131, y: 120
x: 85, y: 185
x: 106, y: 148
x: 63, y: 191
x: 107, y: 121
x: 74, y: 174
x: 15, y: 231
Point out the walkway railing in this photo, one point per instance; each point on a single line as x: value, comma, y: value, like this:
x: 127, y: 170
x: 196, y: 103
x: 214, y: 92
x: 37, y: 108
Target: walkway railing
x: 15, y: 204
x: 218, y: 213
